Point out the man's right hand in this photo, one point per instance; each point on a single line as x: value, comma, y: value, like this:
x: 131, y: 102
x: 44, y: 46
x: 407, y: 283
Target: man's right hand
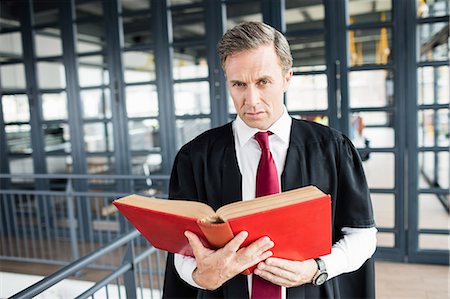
x: 215, y: 267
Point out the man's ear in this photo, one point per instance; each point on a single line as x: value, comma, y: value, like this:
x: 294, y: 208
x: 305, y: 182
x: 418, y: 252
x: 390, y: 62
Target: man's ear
x: 287, y: 80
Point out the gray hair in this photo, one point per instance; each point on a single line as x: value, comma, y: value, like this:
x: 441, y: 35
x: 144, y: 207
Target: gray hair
x: 252, y: 35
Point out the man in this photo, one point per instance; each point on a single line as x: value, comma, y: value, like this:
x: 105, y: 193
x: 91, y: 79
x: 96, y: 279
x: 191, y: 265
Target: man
x: 222, y: 165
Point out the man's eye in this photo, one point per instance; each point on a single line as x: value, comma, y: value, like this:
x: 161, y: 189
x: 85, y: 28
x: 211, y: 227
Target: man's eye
x: 238, y: 84
x: 263, y: 82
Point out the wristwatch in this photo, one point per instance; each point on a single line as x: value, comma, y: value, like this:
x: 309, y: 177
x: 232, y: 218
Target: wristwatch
x: 321, y: 275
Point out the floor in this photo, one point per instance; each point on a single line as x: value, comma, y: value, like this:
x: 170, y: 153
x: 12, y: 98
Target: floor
x: 412, y: 281
x: 393, y: 280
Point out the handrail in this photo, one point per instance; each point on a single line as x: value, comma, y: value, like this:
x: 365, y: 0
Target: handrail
x: 70, y: 269
x: 83, y: 176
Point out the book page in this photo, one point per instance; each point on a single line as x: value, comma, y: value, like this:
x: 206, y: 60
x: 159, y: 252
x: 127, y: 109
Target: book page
x: 192, y: 209
x: 268, y: 202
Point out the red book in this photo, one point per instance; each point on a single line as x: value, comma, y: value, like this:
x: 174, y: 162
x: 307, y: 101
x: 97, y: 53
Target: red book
x: 297, y: 221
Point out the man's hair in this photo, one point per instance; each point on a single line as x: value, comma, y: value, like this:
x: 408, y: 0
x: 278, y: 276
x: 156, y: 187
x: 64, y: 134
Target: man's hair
x: 252, y: 35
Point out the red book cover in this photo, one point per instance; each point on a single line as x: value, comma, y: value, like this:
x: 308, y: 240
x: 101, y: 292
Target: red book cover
x: 297, y: 221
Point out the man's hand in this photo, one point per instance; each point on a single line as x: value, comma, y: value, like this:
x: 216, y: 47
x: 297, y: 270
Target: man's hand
x: 215, y: 267
x: 287, y: 273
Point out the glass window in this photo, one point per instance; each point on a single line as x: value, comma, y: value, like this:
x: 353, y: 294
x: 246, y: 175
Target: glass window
x: 183, y: 2
x: 318, y: 118
x: 372, y: 130
x: 384, y: 209
x: 137, y: 30
x: 19, y: 139
x: 377, y: 178
x: 91, y: 36
x: 369, y: 11
x: 370, y: 46
x: 433, y: 85
x: 301, y: 15
x: 307, y: 92
x: 96, y: 103
x: 54, y: 106
x: 59, y: 164
x: 371, y: 88
x: 190, y: 62
x: 434, y: 241
x: 433, y: 170
x: 188, y: 23
x: 433, y: 125
x: 144, y: 135
x: 100, y: 165
x: 385, y: 239
x: 56, y: 137
x: 88, y: 8
x: 432, y: 214
x: 192, y: 98
x: 189, y: 129
x: 51, y: 75
x: 243, y: 11
x: 13, y: 76
x: 141, y: 101
x: 92, y: 71
x: 15, y: 108
x: 433, y: 41
x: 139, y: 66
x: 98, y: 137
x: 45, y: 12
x: 48, y: 42
x: 147, y: 165
x: 8, y: 19
x: 132, y: 5
x: 21, y: 166
x: 435, y: 8
x: 308, y: 52
x: 10, y: 46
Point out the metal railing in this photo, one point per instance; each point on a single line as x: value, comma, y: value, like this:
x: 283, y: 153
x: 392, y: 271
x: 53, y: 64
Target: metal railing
x: 55, y: 219
x: 138, y: 276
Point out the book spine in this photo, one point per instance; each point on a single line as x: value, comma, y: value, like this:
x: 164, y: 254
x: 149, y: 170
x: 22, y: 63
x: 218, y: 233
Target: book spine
x: 217, y: 234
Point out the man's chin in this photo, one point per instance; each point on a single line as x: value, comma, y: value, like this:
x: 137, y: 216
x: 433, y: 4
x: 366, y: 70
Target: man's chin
x: 256, y: 123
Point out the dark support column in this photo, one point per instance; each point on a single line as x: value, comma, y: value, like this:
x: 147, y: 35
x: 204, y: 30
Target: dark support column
x: 273, y: 14
x: 75, y: 117
x: 332, y: 62
x: 215, y: 28
x: 161, y: 23
x: 37, y: 132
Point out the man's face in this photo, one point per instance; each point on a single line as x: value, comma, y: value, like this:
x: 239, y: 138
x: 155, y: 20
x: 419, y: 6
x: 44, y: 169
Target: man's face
x: 256, y: 83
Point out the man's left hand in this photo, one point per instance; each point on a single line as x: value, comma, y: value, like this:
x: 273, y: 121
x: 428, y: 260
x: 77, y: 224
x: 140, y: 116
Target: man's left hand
x: 287, y: 273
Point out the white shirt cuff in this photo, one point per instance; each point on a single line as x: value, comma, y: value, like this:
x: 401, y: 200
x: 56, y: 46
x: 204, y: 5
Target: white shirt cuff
x: 350, y: 252
x: 185, y: 266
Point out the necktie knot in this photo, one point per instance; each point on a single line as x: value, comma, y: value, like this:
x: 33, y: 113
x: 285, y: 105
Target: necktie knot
x: 263, y: 139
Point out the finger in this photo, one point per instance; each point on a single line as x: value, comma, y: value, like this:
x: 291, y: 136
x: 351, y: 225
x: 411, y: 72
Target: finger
x: 196, y: 244
x: 278, y: 272
x: 259, y: 246
x: 281, y: 281
x: 284, y: 264
x: 236, y: 242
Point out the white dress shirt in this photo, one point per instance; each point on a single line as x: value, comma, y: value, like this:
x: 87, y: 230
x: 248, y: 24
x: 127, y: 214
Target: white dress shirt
x: 348, y: 254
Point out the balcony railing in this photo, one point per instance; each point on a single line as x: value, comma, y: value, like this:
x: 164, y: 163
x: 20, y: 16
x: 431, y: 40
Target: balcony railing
x: 56, y: 219
x: 139, y: 275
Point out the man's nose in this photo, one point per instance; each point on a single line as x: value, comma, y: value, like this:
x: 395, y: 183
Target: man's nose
x: 251, y: 96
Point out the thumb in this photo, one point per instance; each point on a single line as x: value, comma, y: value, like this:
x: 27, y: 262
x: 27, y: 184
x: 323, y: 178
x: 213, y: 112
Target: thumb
x: 196, y: 244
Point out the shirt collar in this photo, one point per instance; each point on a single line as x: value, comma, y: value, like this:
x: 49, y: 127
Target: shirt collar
x: 281, y: 128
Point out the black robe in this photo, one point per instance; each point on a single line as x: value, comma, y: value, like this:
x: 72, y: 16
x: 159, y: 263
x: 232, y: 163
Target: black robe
x: 206, y: 169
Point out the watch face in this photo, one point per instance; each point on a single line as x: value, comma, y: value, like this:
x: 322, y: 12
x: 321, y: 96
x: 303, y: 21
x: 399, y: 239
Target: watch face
x: 321, y: 278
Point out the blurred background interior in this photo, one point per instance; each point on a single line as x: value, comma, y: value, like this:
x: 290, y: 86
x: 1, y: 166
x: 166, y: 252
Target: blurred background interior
x: 96, y: 97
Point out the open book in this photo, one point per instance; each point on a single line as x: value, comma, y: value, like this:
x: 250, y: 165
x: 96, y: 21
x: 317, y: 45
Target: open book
x: 297, y: 221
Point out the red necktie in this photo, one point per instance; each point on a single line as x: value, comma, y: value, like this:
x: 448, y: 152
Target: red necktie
x: 266, y: 184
